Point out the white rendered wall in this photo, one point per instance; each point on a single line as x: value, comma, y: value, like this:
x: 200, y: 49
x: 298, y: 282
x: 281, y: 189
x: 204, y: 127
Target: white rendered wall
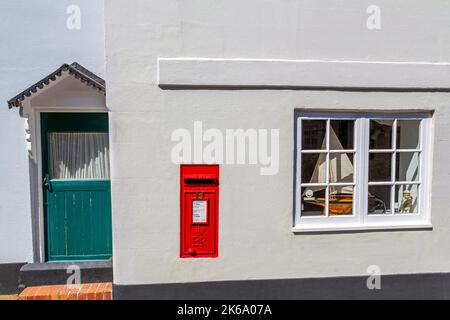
x: 256, y: 211
x: 34, y: 41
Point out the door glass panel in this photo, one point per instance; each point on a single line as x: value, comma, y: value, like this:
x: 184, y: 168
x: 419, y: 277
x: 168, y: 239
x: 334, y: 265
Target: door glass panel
x: 79, y: 155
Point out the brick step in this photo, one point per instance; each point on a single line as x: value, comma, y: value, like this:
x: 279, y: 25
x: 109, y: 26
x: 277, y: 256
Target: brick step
x: 87, y: 291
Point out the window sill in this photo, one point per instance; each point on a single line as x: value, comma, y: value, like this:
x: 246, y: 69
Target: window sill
x: 356, y: 227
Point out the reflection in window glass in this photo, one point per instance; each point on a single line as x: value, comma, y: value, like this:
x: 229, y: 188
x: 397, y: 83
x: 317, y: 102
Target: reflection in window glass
x: 380, y: 167
x: 313, y: 134
x: 407, y: 166
x: 341, y: 134
x: 381, y: 134
x: 408, y: 134
x: 379, y: 200
x: 341, y: 167
x: 340, y: 200
x: 314, y: 168
x: 406, y: 198
x: 313, y: 201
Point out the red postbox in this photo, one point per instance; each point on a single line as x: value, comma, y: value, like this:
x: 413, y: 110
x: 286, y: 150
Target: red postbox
x: 199, y: 211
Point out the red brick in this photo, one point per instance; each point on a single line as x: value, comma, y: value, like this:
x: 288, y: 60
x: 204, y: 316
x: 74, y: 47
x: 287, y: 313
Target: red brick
x: 23, y: 294
x: 26, y: 294
x: 42, y: 293
x: 32, y: 292
x: 100, y: 290
x: 73, y: 293
x: 91, y: 293
x: 107, y: 295
x: 82, y: 294
x: 64, y: 293
x: 36, y: 293
x: 54, y: 292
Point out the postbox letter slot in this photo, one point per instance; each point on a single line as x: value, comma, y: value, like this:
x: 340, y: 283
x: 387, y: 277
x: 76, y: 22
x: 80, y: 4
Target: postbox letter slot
x: 196, y: 182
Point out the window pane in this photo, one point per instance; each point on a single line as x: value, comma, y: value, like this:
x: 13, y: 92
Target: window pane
x: 408, y: 134
x: 341, y: 167
x: 79, y: 155
x: 380, y: 167
x: 407, y: 166
x: 379, y: 199
x: 341, y: 200
x: 406, y: 198
x: 314, y: 168
x: 341, y: 134
x: 313, y: 201
x: 313, y: 134
x: 381, y: 134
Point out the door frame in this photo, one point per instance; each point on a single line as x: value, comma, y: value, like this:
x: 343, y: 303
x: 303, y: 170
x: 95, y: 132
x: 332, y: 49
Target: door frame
x: 69, y: 122
x: 34, y: 142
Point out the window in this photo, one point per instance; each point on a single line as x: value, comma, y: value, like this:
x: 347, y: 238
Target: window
x: 362, y: 171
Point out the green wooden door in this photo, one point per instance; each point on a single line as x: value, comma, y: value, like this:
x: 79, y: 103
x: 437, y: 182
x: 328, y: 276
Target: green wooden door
x: 77, y: 188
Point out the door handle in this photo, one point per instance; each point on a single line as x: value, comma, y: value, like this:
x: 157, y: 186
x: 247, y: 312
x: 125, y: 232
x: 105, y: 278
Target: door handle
x: 47, y: 183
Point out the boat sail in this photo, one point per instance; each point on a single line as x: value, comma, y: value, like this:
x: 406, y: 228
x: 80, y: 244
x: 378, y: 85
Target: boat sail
x: 341, y: 171
x: 340, y: 198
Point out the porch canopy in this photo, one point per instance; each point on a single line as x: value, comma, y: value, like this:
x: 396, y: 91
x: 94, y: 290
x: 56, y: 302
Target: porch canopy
x: 71, y: 72
x: 67, y: 138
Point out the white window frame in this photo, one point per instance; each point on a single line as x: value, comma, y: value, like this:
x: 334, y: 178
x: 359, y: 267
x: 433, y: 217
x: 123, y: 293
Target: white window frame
x: 360, y: 218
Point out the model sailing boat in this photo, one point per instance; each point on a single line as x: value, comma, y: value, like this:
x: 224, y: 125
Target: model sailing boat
x: 340, y: 199
x: 341, y: 170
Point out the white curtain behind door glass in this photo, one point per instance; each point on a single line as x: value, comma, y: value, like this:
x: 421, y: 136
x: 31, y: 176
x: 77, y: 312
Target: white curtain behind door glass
x: 79, y: 155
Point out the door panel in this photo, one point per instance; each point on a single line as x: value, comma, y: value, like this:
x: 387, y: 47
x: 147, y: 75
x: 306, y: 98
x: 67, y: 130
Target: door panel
x: 83, y: 231
x: 55, y: 224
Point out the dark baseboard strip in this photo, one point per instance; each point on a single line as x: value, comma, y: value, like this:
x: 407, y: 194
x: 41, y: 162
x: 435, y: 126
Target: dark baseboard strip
x: 402, y: 286
x: 54, y: 273
x: 9, y: 277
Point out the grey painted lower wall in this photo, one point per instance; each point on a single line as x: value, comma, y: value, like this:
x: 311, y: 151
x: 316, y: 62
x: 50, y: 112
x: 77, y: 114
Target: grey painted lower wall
x: 9, y: 277
x: 404, y: 286
x: 53, y: 273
